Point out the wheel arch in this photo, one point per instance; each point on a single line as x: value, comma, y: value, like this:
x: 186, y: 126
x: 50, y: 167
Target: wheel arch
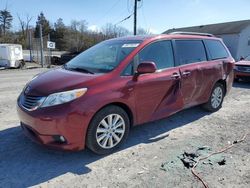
x: 224, y: 83
x: 124, y: 106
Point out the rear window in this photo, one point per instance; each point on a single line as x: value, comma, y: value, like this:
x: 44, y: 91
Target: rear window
x: 190, y: 51
x: 216, y: 49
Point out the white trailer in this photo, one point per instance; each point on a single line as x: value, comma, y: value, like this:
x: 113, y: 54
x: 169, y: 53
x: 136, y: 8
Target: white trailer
x: 11, y: 55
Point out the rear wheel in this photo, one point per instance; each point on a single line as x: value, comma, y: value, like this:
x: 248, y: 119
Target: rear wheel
x: 21, y: 65
x: 108, y: 130
x: 216, y: 99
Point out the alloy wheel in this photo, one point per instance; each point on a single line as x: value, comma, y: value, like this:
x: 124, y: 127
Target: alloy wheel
x: 110, y: 131
x: 217, y: 97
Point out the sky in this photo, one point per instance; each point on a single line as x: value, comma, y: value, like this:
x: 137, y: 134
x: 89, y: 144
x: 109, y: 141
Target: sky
x: 154, y: 15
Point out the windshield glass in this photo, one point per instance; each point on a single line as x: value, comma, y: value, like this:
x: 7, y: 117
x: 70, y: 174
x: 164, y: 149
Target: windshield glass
x: 103, y: 57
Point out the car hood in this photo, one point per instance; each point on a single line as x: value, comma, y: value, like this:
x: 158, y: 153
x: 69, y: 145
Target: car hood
x: 57, y: 80
x: 247, y: 63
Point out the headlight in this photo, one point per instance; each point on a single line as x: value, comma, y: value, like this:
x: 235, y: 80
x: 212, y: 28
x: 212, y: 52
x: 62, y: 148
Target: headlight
x: 63, y: 97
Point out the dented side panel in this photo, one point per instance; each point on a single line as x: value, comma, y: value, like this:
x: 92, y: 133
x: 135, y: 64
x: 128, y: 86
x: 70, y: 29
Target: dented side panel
x: 157, y: 95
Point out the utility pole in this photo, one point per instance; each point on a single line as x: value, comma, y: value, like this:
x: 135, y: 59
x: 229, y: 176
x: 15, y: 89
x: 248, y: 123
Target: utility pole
x: 135, y: 16
x: 50, y: 54
x: 30, y: 45
x: 41, y: 44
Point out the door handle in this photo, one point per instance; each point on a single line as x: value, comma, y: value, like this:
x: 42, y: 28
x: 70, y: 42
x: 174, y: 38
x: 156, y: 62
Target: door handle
x: 186, y: 73
x: 175, y: 76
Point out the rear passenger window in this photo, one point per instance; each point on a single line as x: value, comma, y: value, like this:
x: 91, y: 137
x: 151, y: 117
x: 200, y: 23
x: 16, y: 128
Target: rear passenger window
x: 161, y: 53
x: 190, y: 51
x: 216, y: 49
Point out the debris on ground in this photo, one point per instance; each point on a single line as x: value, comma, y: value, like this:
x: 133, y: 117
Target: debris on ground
x: 222, y: 162
x: 191, y: 159
x: 141, y: 172
x: 168, y: 166
x: 159, y: 137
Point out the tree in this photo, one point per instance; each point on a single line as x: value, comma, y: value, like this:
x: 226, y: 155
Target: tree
x: 24, y: 24
x: 58, y: 34
x: 112, y: 31
x: 141, y: 31
x: 5, y: 21
x: 45, y: 26
x: 76, y: 35
x: 121, y: 32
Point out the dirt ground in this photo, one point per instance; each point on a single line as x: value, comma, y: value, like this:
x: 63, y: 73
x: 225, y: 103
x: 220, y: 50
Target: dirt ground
x: 149, y: 158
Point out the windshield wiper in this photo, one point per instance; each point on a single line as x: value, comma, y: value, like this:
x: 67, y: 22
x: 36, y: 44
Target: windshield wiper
x: 78, y: 69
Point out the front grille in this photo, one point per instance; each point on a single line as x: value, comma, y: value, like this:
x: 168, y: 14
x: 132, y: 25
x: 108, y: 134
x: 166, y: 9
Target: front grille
x: 30, y: 102
x: 243, y: 68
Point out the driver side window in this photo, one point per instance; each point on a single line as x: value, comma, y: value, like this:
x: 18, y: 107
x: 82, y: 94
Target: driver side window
x: 161, y: 53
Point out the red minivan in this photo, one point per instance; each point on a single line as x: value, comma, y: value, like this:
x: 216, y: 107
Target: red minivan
x: 95, y: 98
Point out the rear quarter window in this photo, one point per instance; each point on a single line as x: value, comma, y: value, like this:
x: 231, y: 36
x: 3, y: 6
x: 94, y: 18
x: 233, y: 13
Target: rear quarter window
x: 216, y: 49
x: 190, y: 51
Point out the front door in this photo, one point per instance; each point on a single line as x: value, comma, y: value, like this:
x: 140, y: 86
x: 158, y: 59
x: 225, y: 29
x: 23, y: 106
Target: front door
x: 158, y: 94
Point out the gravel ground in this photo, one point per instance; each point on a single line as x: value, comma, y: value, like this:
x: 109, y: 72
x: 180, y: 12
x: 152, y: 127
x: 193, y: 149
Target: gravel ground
x: 150, y: 157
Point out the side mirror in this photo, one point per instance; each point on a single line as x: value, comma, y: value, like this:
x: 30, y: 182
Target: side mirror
x: 146, y: 67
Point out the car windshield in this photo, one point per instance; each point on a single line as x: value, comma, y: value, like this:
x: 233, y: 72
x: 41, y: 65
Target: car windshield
x: 103, y: 57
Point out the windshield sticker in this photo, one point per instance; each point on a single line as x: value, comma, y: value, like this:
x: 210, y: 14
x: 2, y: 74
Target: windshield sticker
x: 132, y: 45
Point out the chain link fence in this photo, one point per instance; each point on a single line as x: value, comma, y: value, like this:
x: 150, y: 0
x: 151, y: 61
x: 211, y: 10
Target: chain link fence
x: 34, y: 55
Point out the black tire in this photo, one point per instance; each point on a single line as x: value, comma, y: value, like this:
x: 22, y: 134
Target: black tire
x: 22, y: 65
x: 91, y: 137
x: 209, y: 106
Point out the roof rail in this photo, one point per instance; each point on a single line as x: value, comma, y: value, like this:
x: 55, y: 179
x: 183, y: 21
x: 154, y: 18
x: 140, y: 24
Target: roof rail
x: 191, y: 33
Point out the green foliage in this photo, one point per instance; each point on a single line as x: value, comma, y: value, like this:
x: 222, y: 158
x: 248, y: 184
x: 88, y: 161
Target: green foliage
x: 58, y: 34
x: 5, y: 22
x: 46, y: 29
x: 74, y: 38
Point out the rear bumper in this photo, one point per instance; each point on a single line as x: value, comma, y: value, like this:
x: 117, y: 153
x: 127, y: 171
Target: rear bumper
x: 45, y: 128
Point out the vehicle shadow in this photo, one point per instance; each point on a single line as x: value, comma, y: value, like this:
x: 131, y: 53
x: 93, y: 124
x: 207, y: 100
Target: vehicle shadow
x: 24, y: 164
x: 242, y: 84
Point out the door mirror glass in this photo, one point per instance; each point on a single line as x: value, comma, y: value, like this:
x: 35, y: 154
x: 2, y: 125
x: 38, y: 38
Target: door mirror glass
x: 146, y: 67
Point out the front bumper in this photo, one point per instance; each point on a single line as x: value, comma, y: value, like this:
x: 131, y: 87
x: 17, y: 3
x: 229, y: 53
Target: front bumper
x: 241, y: 75
x: 45, y: 126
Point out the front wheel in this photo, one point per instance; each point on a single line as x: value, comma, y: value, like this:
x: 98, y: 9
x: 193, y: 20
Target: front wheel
x: 216, y: 99
x: 108, y: 130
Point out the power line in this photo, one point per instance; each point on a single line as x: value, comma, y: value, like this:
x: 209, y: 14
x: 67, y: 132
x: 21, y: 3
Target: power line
x: 143, y: 15
x: 129, y: 6
x: 135, y: 15
x: 109, y: 10
x: 140, y: 5
x: 124, y: 19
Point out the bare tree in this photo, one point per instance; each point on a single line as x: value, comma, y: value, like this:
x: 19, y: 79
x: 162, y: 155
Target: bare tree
x: 141, y: 31
x: 24, y: 27
x: 76, y: 35
x: 111, y: 31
